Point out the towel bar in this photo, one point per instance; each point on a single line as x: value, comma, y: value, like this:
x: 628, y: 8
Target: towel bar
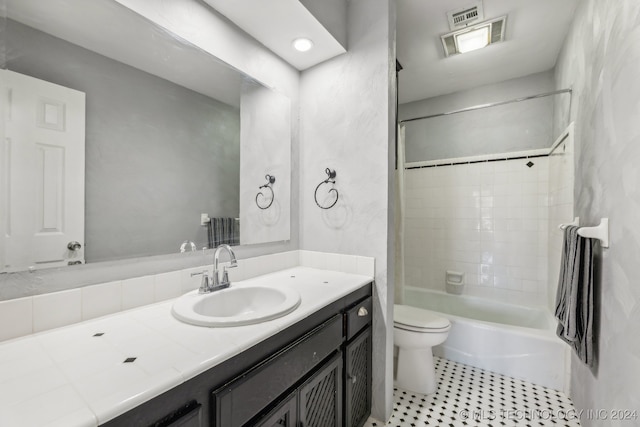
x: 576, y: 222
x: 600, y: 232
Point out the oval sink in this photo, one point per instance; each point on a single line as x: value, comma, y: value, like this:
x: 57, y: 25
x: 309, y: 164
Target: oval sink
x: 236, y: 306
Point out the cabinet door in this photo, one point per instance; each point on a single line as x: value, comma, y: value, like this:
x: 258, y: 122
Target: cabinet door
x: 320, y: 397
x: 357, y: 399
x: 285, y: 415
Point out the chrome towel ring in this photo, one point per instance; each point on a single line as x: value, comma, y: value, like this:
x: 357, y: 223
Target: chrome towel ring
x: 331, y: 179
x: 270, y: 180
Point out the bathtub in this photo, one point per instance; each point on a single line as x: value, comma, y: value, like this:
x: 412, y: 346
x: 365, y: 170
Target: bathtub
x: 512, y: 340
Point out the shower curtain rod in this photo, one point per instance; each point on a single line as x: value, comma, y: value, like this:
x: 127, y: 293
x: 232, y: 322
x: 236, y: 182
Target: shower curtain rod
x: 494, y: 104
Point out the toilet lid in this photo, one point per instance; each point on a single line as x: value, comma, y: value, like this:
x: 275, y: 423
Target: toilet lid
x: 413, y: 317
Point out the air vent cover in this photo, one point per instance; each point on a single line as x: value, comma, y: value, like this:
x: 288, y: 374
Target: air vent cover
x: 496, y: 33
x: 465, y: 16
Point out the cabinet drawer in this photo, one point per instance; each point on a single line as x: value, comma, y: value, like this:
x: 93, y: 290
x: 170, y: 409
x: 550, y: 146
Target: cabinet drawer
x: 357, y: 317
x: 245, y: 397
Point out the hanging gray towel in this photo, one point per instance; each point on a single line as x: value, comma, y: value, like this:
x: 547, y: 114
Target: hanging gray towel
x: 574, y: 298
x: 224, y: 231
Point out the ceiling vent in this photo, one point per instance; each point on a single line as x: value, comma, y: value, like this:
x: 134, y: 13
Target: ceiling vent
x: 465, y: 16
x: 474, y: 37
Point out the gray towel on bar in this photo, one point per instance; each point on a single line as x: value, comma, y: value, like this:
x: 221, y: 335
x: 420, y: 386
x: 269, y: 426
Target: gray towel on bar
x: 224, y: 231
x: 574, y: 299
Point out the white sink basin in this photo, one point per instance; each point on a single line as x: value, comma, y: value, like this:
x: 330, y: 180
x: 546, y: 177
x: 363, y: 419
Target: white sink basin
x: 236, y: 306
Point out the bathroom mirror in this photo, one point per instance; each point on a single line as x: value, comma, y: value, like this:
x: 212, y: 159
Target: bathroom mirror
x: 163, y: 123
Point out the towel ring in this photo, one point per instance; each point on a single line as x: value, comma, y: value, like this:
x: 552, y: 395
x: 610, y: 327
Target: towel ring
x: 270, y: 180
x: 331, y: 179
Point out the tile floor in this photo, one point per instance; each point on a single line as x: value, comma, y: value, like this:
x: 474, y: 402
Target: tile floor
x: 470, y: 396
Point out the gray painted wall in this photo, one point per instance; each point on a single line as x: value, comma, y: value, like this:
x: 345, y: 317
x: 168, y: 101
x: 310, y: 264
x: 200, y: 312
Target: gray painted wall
x: 157, y: 154
x: 600, y: 60
x: 513, y: 127
x: 265, y: 141
x: 347, y: 124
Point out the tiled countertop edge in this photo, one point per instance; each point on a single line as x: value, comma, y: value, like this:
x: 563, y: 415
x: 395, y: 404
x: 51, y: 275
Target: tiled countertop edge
x: 24, y: 316
x: 59, y: 369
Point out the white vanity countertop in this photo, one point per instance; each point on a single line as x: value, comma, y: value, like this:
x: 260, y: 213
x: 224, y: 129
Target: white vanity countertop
x: 71, y: 377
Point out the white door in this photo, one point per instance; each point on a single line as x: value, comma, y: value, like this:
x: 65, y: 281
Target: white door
x: 43, y: 174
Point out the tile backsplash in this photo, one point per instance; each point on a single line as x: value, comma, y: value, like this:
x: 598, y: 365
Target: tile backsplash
x: 488, y: 220
x: 23, y: 316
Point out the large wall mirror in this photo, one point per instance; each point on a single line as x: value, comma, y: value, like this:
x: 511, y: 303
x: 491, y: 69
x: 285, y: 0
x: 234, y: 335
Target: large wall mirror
x: 121, y: 140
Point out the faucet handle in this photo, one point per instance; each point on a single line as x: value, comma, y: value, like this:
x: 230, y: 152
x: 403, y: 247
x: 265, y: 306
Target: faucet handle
x: 197, y: 273
x: 204, y: 284
x: 225, y: 276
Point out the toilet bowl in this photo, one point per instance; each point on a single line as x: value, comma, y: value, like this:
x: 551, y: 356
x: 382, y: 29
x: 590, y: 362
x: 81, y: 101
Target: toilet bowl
x: 415, y: 332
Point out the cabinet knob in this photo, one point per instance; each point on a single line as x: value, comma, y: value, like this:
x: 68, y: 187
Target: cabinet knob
x: 362, y: 312
x: 353, y: 379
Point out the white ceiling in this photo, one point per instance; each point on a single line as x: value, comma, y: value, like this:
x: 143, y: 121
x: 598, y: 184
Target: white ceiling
x: 535, y: 33
x: 112, y: 30
x: 276, y: 23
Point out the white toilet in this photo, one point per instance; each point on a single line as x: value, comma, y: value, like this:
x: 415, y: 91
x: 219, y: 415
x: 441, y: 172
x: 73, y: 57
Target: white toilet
x: 415, y: 332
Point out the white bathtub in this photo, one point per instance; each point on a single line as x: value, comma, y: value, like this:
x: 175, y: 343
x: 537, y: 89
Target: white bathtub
x: 512, y: 340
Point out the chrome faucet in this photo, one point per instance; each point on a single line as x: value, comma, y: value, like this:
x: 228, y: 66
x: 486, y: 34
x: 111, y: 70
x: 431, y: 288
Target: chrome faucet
x: 216, y: 284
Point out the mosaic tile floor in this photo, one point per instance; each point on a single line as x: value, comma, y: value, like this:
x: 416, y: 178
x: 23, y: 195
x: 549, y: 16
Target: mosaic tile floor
x: 469, y: 396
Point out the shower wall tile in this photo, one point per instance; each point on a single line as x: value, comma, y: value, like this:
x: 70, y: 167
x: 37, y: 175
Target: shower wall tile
x: 488, y: 220
x: 561, y: 182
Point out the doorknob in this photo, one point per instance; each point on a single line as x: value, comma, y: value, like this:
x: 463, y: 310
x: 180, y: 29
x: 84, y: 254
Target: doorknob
x: 74, y: 246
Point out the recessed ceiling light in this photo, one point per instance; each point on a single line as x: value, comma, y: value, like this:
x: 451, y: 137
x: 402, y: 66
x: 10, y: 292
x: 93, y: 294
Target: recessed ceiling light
x: 302, y: 44
x: 473, y: 40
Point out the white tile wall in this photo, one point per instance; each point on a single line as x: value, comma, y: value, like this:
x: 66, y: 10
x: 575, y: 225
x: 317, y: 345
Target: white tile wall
x: 561, y: 180
x: 16, y: 318
x: 168, y: 285
x: 24, y: 316
x: 344, y: 263
x: 100, y: 300
x: 138, y: 291
x: 488, y: 220
x: 56, y: 309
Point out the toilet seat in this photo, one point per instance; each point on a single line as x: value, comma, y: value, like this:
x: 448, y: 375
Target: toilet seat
x: 418, y: 320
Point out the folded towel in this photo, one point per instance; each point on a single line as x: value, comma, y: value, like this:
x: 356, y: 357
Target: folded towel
x: 574, y: 298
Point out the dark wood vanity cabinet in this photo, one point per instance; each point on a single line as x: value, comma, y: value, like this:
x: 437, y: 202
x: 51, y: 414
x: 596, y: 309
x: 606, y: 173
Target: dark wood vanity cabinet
x: 325, y: 376
x: 357, y: 380
x: 357, y: 364
x: 316, y: 403
x: 284, y: 415
x: 320, y: 398
x: 315, y: 373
